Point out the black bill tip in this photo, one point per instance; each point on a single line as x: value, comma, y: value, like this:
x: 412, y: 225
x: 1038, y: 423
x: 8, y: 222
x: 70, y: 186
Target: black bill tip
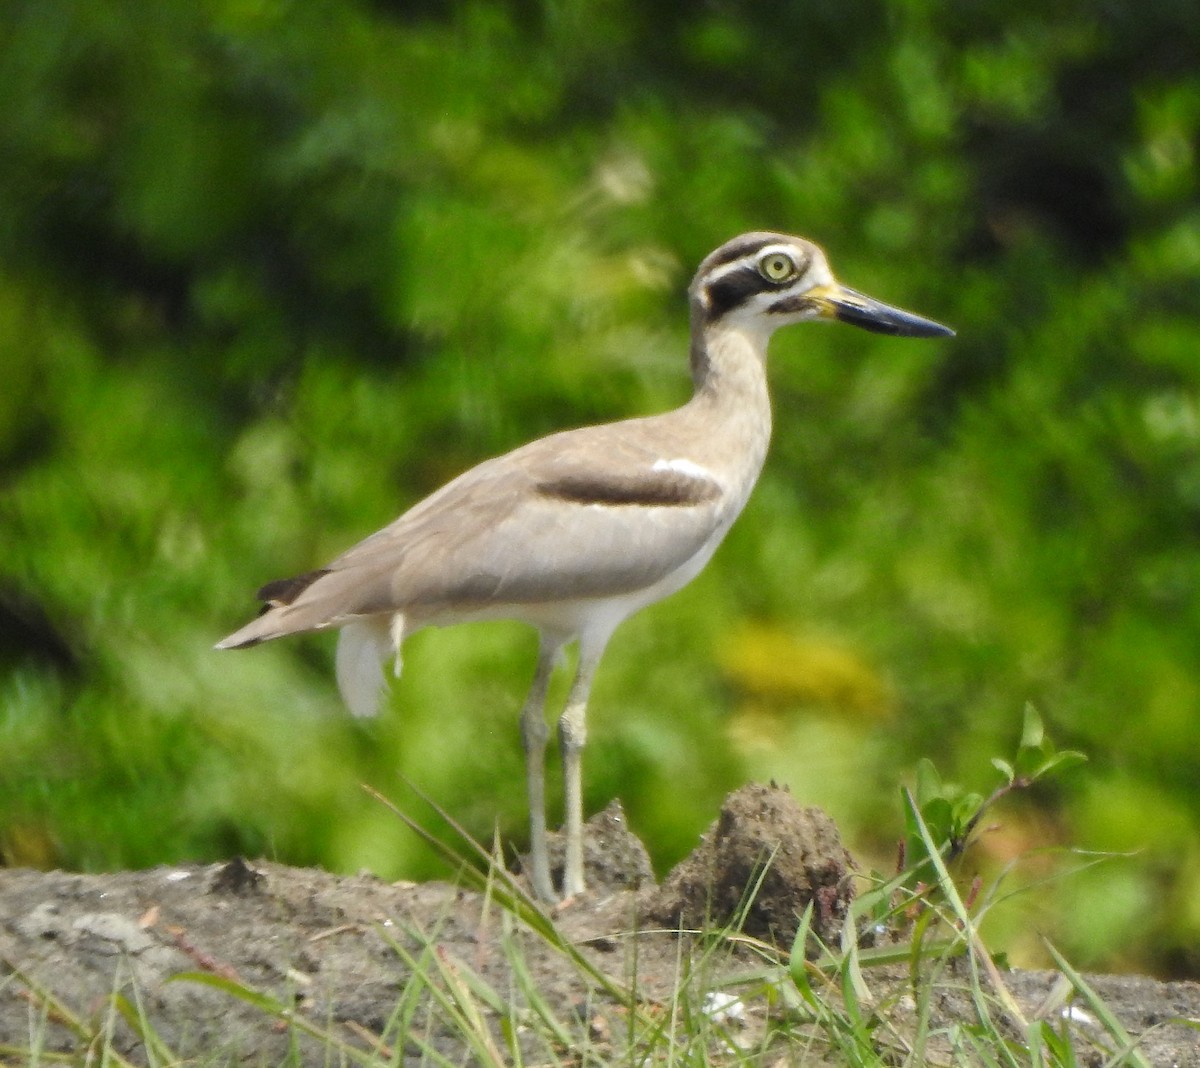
x: 867, y: 313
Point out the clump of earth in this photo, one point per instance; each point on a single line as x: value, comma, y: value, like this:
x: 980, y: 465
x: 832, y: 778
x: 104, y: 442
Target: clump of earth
x: 356, y: 954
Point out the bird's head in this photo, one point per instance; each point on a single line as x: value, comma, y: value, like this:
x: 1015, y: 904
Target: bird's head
x: 761, y: 281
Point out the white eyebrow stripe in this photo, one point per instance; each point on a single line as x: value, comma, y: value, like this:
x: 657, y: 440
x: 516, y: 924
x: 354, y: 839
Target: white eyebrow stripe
x: 787, y: 250
x: 730, y: 268
x: 750, y: 259
x: 684, y: 466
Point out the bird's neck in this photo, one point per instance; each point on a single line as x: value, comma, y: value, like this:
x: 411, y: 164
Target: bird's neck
x: 729, y: 366
x: 731, y: 400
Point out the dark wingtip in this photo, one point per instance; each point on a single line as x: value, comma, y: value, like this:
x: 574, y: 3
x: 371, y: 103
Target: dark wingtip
x: 285, y: 591
x: 276, y: 594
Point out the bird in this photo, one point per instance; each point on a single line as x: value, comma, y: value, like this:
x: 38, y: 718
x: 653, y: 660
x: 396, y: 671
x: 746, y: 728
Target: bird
x: 576, y: 531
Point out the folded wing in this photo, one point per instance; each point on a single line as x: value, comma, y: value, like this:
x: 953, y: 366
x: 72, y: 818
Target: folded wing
x: 581, y: 514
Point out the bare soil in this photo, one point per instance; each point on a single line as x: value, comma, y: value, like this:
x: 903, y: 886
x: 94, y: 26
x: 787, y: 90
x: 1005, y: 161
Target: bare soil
x: 333, y: 948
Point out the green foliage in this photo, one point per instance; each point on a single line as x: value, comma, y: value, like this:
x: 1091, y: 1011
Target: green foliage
x: 269, y: 273
x: 1037, y: 756
x: 945, y: 809
x: 945, y: 814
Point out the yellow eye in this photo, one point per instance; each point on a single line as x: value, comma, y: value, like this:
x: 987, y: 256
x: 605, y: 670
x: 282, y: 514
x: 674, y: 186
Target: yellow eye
x: 777, y: 267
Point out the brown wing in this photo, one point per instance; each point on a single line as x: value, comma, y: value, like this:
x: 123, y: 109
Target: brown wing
x: 586, y: 513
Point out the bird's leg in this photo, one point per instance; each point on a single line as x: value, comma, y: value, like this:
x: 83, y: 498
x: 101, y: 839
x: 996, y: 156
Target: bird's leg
x: 572, y: 733
x: 533, y: 739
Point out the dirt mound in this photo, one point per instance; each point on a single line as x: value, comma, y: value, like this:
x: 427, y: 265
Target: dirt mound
x: 375, y: 965
x: 614, y: 858
x: 759, y: 865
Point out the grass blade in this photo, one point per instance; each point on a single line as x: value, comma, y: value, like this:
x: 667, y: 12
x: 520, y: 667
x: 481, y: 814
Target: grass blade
x: 1128, y: 1052
x: 271, y: 1006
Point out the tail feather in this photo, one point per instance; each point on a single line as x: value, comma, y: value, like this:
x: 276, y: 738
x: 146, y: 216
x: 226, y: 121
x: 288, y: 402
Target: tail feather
x: 363, y: 646
x: 371, y: 630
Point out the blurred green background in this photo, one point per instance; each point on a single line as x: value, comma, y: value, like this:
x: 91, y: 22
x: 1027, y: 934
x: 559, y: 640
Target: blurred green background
x: 270, y: 272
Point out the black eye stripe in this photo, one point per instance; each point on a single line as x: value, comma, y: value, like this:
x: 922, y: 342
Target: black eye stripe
x: 789, y: 305
x: 733, y: 280
x: 733, y: 290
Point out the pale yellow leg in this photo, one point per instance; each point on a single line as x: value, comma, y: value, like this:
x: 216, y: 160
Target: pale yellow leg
x: 533, y: 739
x: 572, y: 733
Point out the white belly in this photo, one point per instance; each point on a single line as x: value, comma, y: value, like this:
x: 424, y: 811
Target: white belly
x: 576, y: 617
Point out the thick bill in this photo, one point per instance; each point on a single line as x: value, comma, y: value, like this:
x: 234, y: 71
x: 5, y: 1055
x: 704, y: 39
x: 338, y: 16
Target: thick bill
x: 849, y: 306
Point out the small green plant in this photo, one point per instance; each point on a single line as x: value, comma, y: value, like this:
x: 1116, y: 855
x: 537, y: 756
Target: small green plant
x: 951, y: 814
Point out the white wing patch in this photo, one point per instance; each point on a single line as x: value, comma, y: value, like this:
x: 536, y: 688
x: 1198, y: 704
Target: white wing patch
x: 684, y: 467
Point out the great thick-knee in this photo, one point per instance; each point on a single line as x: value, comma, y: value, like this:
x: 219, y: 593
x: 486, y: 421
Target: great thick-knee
x: 576, y: 531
